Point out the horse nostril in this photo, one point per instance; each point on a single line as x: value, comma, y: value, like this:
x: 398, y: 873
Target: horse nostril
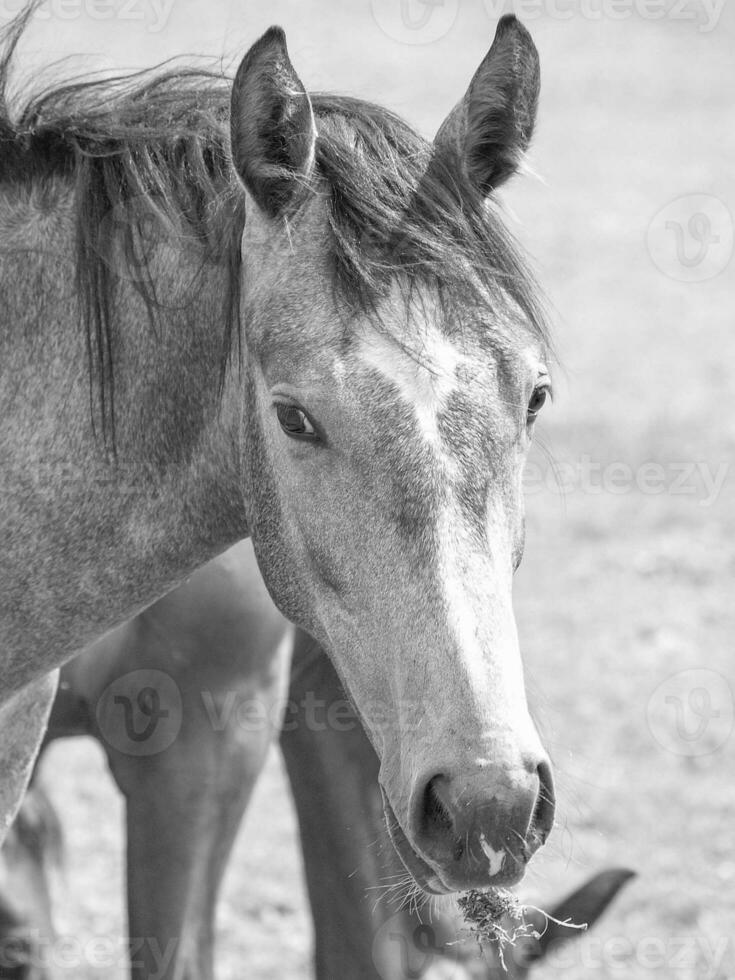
x: 437, y: 819
x: 543, y: 815
x: 438, y: 822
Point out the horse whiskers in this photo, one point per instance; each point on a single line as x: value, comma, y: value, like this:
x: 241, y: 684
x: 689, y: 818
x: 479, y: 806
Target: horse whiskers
x: 383, y: 885
x: 403, y: 892
x: 401, y: 880
x: 417, y: 899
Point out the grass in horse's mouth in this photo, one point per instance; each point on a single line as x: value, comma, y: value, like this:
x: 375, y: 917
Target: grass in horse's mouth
x: 487, y: 913
x: 495, y: 917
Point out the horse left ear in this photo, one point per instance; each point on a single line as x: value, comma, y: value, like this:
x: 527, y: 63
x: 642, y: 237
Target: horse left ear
x: 272, y: 127
x: 583, y: 907
x: 490, y: 129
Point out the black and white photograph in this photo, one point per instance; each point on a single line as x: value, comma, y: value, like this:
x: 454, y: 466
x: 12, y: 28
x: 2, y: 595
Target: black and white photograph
x: 367, y: 505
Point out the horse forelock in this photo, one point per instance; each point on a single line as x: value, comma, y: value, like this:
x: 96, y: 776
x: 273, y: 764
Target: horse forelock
x: 398, y: 211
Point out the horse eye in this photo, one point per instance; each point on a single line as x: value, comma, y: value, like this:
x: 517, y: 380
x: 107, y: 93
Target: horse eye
x: 295, y: 422
x: 537, y: 402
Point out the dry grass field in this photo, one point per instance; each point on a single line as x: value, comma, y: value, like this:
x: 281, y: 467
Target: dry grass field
x: 628, y: 575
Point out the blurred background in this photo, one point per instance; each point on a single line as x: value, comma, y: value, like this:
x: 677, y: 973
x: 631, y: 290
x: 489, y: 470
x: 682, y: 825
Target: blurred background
x: 625, y: 597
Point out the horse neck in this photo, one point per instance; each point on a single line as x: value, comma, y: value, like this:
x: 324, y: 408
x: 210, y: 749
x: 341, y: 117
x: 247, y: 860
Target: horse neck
x: 123, y: 530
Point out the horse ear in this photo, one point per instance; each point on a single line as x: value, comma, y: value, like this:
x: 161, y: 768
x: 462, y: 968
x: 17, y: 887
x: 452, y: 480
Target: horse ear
x: 583, y: 906
x: 272, y: 126
x: 491, y: 127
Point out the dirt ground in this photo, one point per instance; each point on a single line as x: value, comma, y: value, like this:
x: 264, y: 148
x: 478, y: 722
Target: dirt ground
x: 628, y: 576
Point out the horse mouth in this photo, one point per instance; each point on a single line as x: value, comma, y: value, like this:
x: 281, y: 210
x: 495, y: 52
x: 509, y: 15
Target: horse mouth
x: 420, y: 870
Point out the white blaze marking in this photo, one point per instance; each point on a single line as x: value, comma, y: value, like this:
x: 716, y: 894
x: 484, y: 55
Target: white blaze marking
x: 427, y: 387
x: 466, y: 574
x: 494, y: 858
x: 426, y: 384
x: 453, y: 549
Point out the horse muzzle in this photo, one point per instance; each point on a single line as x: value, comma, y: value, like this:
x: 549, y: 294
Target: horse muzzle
x: 475, y: 829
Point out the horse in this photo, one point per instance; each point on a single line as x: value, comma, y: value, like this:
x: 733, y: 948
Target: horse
x: 185, y: 700
x: 232, y: 309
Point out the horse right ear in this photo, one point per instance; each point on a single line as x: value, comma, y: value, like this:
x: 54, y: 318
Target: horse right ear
x: 272, y: 127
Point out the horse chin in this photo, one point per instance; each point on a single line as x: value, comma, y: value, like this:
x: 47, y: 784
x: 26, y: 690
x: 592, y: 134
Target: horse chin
x: 420, y: 870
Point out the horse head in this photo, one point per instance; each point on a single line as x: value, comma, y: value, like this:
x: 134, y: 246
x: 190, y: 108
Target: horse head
x: 396, y: 363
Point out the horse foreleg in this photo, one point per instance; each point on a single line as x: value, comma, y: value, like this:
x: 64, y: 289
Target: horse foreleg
x: 23, y: 720
x: 184, y: 808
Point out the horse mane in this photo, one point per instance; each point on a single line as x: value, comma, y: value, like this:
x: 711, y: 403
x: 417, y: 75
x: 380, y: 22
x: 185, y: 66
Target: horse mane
x: 156, y: 143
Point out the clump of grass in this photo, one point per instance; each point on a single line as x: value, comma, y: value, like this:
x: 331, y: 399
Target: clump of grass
x: 495, y: 917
